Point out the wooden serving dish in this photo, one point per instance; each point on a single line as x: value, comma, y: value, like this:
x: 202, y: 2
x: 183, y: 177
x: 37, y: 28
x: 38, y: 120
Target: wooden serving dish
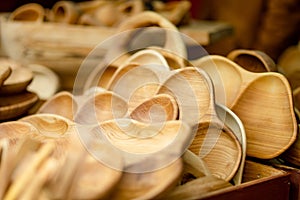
x: 250, y: 95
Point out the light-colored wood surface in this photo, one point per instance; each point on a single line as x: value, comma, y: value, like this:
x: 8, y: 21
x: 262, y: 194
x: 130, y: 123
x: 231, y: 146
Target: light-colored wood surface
x: 251, y: 96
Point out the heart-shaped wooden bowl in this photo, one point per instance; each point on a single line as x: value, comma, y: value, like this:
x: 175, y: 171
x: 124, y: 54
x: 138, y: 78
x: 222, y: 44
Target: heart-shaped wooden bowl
x: 253, y: 60
x: 251, y: 95
x: 214, y: 142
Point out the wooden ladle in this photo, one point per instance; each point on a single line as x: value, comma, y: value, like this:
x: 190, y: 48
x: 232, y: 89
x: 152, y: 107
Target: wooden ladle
x: 251, y: 96
x: 214, y: 142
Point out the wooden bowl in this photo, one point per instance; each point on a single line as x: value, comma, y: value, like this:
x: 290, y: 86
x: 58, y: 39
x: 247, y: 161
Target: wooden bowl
x: 100, y: 107
x: 253, y: 60
x: 288, y: 64
x: 250, y: 95
x: 5, y: 72
x: 17, y: 82
x: 45, y: 82
x: 14, y: 106
x: 235, y: 124
x: 214, y: 142
x: 62, y: 104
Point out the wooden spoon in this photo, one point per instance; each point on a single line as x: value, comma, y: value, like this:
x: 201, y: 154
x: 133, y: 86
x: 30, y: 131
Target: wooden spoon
x: 5, y: 72
x: 214, y: 142
x: 159, y: 108
x: 251, y: 95
x: 29, y: 12
x: 16, y: 105
x: 17, y: 82
x: 253, y: 60
x: 62, y: 104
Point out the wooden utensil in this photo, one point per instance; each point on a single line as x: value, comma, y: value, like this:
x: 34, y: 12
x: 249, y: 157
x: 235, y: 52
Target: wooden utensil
x: 16, y: 105
x: 29, y: 12
x: 237, y: 127
x: 5, y: 72
x: 251, y: 95
x: 62, y: 104
x: 193, y: 92
x: 64, y: 12
x: 101, y: 107
x: 159, y: 108
x: 253, y: 60
x: 17, y: 82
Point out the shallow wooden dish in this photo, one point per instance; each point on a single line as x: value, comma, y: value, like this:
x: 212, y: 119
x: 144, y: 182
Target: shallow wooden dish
x: 14, y: 106
x: 250, y: 95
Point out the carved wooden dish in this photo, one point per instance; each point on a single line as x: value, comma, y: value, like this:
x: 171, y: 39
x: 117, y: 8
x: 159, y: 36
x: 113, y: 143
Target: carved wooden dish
x: 250, y: 96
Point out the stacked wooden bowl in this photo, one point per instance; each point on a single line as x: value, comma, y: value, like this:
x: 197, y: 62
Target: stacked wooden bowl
x: 15, y: 100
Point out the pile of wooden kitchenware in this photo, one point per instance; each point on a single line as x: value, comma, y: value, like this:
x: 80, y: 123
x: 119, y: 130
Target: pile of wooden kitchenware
x: 149, y: 125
